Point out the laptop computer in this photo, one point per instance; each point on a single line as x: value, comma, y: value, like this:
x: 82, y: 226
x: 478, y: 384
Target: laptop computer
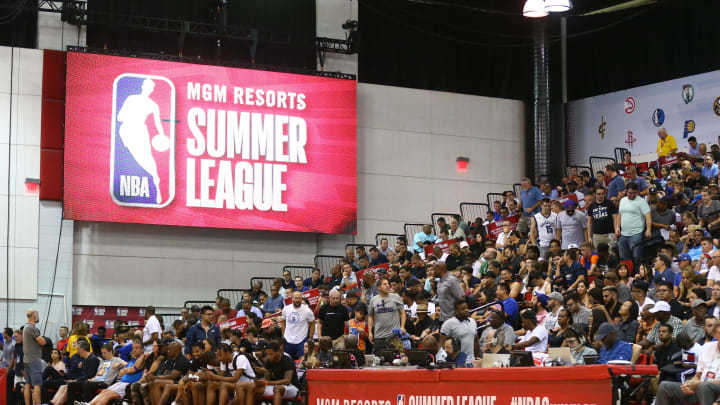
x: 590, y: 359
x: 521, y: 358
x: 563, y: 353
x: 386, y: 355
x: 491, y: 360
x: 340, y: 359
x: 419, y: 357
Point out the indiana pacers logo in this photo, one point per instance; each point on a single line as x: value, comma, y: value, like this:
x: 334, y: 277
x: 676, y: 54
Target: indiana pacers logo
x: 688, y: 128
x: 142, y: 161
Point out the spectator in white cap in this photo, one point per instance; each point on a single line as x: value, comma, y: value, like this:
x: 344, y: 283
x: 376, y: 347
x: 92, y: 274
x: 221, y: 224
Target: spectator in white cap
x: 613, y: 349
x: 572, y: 226
x: 661, y: 310
x: 464, y: 247
x: 555, y: 301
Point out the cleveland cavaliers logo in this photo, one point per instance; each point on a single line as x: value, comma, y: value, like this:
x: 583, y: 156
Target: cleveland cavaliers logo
x: 142, y: 161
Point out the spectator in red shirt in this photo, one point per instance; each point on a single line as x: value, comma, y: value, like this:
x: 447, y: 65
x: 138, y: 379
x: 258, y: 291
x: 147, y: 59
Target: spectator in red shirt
x: 62, y: 342
x: 225, y: 309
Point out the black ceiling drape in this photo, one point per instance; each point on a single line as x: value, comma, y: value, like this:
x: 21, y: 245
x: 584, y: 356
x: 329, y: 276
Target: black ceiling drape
x: 441, y: 48
x: 293, y: 17
x: 17, y: 29
x: 444, y: 47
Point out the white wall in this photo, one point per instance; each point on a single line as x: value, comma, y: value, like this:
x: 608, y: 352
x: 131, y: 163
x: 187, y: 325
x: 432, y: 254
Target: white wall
x: 586, y: 116
x: 20, y: 111
x: 407, y: 144
x: 34, y: 226
x: 408, y: 141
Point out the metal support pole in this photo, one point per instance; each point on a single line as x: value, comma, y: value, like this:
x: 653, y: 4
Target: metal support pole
x: 541, y: 102
x: 563, y: 39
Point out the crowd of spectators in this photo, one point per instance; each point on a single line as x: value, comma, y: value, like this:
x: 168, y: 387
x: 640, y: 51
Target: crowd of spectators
x: 621, y: 265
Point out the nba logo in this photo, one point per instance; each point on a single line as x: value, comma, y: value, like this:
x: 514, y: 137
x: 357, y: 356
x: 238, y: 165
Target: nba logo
x: 142, y: 158
x: 400, y: 399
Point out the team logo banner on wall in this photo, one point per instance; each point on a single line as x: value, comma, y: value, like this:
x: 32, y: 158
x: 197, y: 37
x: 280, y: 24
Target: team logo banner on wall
x: 630, y: 119
x: 170, y: 143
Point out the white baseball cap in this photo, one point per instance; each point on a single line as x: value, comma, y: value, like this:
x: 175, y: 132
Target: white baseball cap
x: 660, y: 306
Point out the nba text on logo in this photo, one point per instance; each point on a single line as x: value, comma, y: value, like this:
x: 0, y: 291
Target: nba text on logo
x: 221, y: 136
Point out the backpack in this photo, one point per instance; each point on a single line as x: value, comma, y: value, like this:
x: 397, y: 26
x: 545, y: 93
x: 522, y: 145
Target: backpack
x: 232, y: 367
x: 47, y: 350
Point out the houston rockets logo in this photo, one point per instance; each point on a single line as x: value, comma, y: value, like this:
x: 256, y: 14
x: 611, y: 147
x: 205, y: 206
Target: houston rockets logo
x: 142, y: 161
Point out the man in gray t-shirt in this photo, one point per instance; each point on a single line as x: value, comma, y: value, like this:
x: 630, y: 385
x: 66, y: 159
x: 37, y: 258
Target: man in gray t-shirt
x: 662, y: 218
x: 32, y: 352
x: 572, y: 225
x: 463, y: 328
x: 385, y: 313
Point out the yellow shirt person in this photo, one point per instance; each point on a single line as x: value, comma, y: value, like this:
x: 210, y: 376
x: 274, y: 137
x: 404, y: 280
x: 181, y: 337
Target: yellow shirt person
x: 72, y: 344
x: 666, y: 144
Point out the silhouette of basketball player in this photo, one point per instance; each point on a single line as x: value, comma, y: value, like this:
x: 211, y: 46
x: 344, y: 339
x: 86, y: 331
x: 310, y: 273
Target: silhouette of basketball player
x: 134, y: 133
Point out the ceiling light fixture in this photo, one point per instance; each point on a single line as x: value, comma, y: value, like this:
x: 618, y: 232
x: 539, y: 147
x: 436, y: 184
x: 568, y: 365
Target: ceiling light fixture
x: 534, y: 9
x: 557, y: 6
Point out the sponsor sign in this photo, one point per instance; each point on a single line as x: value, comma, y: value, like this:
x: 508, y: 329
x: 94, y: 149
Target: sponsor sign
x: 170, y: 143
x: 239, y: 323
x: 313, y: 296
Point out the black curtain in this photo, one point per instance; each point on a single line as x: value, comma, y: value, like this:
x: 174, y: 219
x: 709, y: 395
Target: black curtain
x: 459, y: 49
x: 635, y: 47
x: 291, y: 22
x: 437, y: 47
x: 18, y: 26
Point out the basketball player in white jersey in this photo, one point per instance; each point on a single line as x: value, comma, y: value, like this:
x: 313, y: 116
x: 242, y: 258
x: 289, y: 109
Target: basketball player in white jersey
x: 543, y: 227
x: 134, y: 133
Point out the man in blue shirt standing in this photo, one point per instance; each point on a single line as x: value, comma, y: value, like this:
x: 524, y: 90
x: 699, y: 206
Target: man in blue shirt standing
x: 530, y: 200
x: 616, y: 185
x: 613, y: 348
x: 710, y: 170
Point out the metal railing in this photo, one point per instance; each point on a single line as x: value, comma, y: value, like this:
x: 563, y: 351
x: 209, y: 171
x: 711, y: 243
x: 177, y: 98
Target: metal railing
x: 391, y: 237
x: 325, y: 263
x: 304, y: 271
x: 200, y: 303
x: 437, y: 215
x: 410, y: 231
x: 233, y: 294
x: 492, y: 197
x: 470, y: 211
x: 598, y: 163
